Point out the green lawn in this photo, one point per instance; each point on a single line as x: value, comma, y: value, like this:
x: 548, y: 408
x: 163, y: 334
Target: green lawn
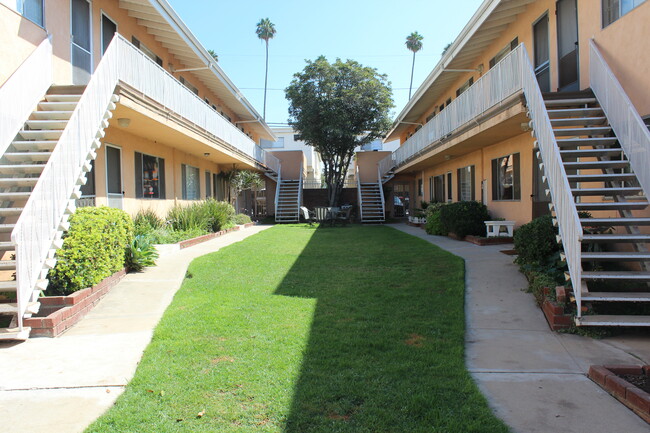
x: 299, y: 329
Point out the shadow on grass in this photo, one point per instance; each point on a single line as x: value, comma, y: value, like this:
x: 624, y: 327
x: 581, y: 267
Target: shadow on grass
x: 385, y: 351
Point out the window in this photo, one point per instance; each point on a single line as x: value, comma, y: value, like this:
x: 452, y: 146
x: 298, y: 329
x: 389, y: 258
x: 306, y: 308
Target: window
x: 420, y: 188
x: 614, y: 9
x: 149, y: 176
x: 268, y: 144
x: 449, y: 187
x: 297, y: 137
x: 185, y: 83
x: 208, y: 184
x: 465, y: 86
x: 190, y: 179
x: 466, y: 183
x: 438, y: 189
x: 109, y: 28
x: 505, y: 178
x: 431, y: 116
x: 139, y: 45
x: 504, y: 52
x: 226, y: 116
x: 32, y: 10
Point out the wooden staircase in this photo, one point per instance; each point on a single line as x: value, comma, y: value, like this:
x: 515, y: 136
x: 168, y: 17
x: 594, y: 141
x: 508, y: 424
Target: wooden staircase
x: 615, y: 276
x: 371, y: 203
x: 20, y: 168
x: 288, y: 201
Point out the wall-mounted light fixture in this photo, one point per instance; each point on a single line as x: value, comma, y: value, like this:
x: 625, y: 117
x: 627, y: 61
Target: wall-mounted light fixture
x: 206, y: 154
x: 124, y: 122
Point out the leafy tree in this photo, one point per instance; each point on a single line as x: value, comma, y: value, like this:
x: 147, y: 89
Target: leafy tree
x: 335, y: 108
x: 413, y: 43
x: 214, y: 55
x: 444, y: 50
x: 265, y: 31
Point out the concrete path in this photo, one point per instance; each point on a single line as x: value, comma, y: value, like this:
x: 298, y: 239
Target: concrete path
x: 534, y: 379
x: 62, y: 385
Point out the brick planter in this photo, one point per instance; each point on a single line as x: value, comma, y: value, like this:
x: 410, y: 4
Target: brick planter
x: 205, y: 238
x: 631, y: 396
x: 554, y: 311
x: 65, y: 311
x: 477, y: 240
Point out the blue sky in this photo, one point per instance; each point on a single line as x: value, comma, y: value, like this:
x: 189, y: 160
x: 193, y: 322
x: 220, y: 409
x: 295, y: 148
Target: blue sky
x: 370, y: 32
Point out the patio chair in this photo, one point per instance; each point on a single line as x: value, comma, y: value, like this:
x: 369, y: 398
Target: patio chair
x: 307, y: 215
x: 326, y: 214
x: 343, y: 216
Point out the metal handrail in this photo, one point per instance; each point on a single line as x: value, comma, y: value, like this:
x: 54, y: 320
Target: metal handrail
x: 277, y: 189
x: 381, y: 192
x: 359, y: 194
x: 632, y: 133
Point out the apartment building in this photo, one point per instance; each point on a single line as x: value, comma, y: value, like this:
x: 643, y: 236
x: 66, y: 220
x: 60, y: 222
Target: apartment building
x: 538, y: 107
x: 107, y: 102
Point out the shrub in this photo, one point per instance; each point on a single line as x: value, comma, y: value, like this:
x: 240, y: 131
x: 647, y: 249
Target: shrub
x: 221, y: 214
x: 208, y: 215
x: 464, y: 218
x: 140, y: 254
x: 241, y: 218
x: 166, y: 235
x: 535, y: 242
x: 93, y: 248
x: 146, y: 221
x: 434, y: 225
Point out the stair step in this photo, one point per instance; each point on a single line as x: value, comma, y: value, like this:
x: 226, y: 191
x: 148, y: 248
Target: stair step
x: 7, y: 211
x: 574, y: 112
x: 595, y: 165
x: 617, y: 275
x: 8, y: 286
x: 54, y: 97
x: 28, y: 156
x: 579, y: 132
x: 14, y: 333
x: 12, y: 308
x: 577, y: 153
x: 6, y: 228
x: 610, y: 320
x: 615, y: 256
x: 42, y: 145
x: 595, y: 141
x: 17, y: 181
x: 7, y: 246
x: 7, y: 265
x: 66, y: 89
x: 578, y: 121
x: 52, y: 115
x: 40, y: 135
x: 612, y: 222
x: 624, y: 191
x: 615, y: 238
x: 21, y: 168
x: 569, y: 102
x: 602, y: 177
x: 629, y: 205
x: 48, y: 124
x: 11, y: 196
x: 57, y: 106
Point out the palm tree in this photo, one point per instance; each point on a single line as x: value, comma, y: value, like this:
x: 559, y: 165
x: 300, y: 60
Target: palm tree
x: 265, y: 30
x: 413, y: 43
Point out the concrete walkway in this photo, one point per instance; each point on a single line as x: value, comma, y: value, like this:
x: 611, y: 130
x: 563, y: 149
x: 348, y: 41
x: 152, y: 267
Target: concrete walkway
x: 63, y: 384
x: 534, y: 379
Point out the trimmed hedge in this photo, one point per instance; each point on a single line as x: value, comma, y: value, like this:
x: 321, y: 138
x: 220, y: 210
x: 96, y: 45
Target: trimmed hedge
x: 93, y: 248
x: 209, y: 215
x: 464, y: 218
x: 535, y: 242
x: 241, y: 218
x: 434, y: 224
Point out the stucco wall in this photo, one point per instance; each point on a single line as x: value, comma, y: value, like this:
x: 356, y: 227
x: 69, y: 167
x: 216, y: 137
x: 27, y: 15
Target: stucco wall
x: 18, y: 39
x: 293, y: 162
x: 368, y: 164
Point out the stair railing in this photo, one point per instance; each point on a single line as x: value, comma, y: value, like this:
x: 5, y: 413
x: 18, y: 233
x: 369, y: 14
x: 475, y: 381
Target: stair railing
x: 359, y: 195
x: 560, y: 190
x: 22, y: 91
x: 385, y: 165
x: 302, y: 175
x: 381, y: 193
x: 632, y: 133
x: 277, y: 191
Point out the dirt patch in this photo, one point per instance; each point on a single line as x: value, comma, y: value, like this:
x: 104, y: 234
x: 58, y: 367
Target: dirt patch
x: 223, y: 359
x: 415, y: 340
x: 338, y: 417
x: 639, y: 380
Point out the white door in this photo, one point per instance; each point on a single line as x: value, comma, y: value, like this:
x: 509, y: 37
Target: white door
x: 81, y: 41
x: 114, y: 191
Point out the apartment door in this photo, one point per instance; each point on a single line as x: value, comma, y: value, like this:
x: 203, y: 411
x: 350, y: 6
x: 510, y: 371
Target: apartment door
x: 542, y: 53
x: 80, y: 36
x: 114, y: 191
x: 567, y: 45
x: 538, y: 197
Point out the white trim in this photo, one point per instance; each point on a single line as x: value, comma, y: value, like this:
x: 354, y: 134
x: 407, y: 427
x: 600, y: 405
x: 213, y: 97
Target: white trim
x: 108, y: 198
x: 90, y: 34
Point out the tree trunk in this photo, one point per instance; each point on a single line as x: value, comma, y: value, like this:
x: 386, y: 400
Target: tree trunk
x: 266, y: 76
x: 412, y: 69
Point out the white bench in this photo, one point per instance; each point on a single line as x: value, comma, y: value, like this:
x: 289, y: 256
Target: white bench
x: 494, y: 228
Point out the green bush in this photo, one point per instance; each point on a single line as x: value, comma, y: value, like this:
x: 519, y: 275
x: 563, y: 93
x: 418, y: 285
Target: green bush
x: 536, y: 242
x: 221, y: 214
x: 146, y: 221
x: 140, y: 254
x: 166, y: 235
x: 93, y: 248
x: 434, y: 225
x: 241, y: 218
x: 464, y: 218
x: 208, y: 215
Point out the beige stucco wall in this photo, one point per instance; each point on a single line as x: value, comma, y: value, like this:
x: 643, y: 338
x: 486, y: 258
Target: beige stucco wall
x: 129, y: 144
x: 18, y: 39
x: 368, y: 164
x: 293, y: 162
